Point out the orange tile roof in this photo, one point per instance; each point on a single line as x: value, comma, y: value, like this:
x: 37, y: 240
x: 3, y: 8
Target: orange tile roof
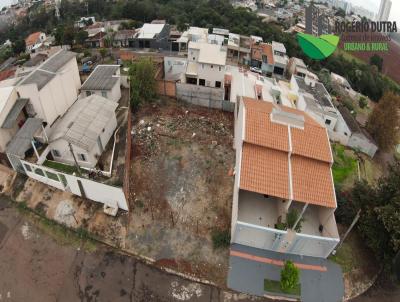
x: 266, y: 155
x: 32, y: 38
x: 264, y: 171
x: 260, y: 130
x: 312, y: 181
x: 312, y: 142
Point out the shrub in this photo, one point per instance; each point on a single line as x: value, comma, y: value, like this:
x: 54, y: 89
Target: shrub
x: 362, y: 102
x: 289, y: 276
x: 291, y: 218
x: 221, y: 239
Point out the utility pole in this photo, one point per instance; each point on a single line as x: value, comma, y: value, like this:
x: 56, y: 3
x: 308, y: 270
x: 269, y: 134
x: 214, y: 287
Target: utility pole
x: 73, y: 155
x: 349, y: 229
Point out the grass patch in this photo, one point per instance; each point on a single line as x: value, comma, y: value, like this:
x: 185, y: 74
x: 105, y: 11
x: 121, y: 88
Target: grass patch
x: 60, y: 167
x: 221, y: 239
x: 344, y: 165
x: 273, y: 286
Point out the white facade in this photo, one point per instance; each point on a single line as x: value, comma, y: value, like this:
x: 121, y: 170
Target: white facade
x: 206, y: 64
x: 56, y: 96
x: 384, y: 10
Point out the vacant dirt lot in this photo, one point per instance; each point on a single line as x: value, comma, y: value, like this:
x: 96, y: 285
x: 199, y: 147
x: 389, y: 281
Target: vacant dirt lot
x: 181, y: 186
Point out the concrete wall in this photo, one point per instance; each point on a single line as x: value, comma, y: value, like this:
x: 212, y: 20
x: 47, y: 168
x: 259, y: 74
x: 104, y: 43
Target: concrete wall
x: 203, y: 96
x: 360, y: 142
x: 92, y: 190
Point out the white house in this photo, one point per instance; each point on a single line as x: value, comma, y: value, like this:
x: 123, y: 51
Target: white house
x: 105, y: 80
x: 52, y: 87
x: 206, y: 64
x: 34, y: 40
x: 280, y: 59
x: 83, y: 131
x: 283, y: 165
x: 11, y: 115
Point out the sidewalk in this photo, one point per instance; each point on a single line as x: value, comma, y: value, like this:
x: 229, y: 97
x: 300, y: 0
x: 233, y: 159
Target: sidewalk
x: 321, y: 280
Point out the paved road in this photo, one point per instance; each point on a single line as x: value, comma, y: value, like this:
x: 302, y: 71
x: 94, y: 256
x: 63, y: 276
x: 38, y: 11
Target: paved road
x: 34, y: 267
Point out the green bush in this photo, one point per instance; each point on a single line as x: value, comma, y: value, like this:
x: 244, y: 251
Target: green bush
x: 291, y: 218
x: 289, y: 276
x: 221, y: 239
x: 362, y: 102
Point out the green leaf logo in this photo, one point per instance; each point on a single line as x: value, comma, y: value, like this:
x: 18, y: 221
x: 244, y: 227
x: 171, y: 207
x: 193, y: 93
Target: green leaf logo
x: 318, y: 48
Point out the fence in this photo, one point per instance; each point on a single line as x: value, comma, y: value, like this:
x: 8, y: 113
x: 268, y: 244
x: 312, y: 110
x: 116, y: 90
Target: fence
x: 203, y: 96
x: 166, y: 88
x: 109, y: 195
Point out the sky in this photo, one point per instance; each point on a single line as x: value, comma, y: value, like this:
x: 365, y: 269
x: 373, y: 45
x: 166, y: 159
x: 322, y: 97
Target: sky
x: 373, y: 5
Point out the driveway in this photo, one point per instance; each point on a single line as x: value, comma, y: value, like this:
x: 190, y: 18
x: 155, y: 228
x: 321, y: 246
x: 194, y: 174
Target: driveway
x: 35, y: 267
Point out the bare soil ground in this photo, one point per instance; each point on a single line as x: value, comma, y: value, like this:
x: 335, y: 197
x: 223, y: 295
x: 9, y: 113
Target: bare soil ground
x: 181, y: 186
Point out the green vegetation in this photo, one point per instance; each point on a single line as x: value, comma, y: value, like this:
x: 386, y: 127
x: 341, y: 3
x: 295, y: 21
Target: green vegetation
x: 379, y: 223
x: 384, y: 123
x: 344, y: 164
x: 291, y: 218
x: 289, y: 277
x: 143, y: 83
x: 377, y: 61
x: 221, y: 239
x: 275, y: 287
x: 60, y: 167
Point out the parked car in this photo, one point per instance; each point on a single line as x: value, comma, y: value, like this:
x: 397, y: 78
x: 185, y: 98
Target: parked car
x: 256, y: 70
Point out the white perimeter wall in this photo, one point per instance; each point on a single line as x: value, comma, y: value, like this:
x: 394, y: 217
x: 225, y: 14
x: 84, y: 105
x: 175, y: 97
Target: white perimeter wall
x: 93, y: 190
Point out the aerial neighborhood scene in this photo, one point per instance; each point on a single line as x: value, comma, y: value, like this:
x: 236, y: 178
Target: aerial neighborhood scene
x: 210, y: 150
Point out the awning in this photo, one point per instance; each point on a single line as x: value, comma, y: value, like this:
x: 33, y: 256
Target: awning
x: 22, y: 141
x: 12, y: 116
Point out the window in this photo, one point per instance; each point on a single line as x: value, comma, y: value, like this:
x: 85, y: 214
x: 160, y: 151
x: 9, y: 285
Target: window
x: 218, y: 84
x: 194, y: 58
x: 88, y: 93
x: 328, y: 122
x: 39, y: 172
x: 202, y: 82
x: 82, y: 157
x: 104, y: 94
x: 28, y: 168
x: 52, y: 176
x: 346, y: 134
x: 56, y: 153
x: 212, y: 66
x: 219, y: 68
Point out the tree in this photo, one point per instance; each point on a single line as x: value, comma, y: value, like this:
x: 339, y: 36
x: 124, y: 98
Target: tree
x: 143, y: 83
x: 377, y: 61
x: 18, y: 46
x: 379, y: 223
x: 81, y: 36
x: 103, y: 53
x: 383, y: 123
x: 289, y: 276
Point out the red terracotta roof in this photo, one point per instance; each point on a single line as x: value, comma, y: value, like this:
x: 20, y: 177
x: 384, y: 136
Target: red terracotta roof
x: 32, y: 38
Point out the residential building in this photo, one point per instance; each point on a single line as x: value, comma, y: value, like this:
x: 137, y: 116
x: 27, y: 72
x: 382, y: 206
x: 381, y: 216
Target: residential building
x: 239, y: 48
x: 105, y: 81
x: 206, y: 64
x: 384, y: 10
x: 317, y: 22
x: 51, y: 88
x: 283, y: 165
x: 34, y: 40
x: 152, y: 35
x: 193, y: 34
x: 315, y: 100
x: 297, y: 67
x: 280, y: 59
x: 343, y: 83
x: 12, y: 115
x: 262, y: 57
x: 352, y: 135
x: 96, y: 37
x: 83, y: 132
x: 122, y: 37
